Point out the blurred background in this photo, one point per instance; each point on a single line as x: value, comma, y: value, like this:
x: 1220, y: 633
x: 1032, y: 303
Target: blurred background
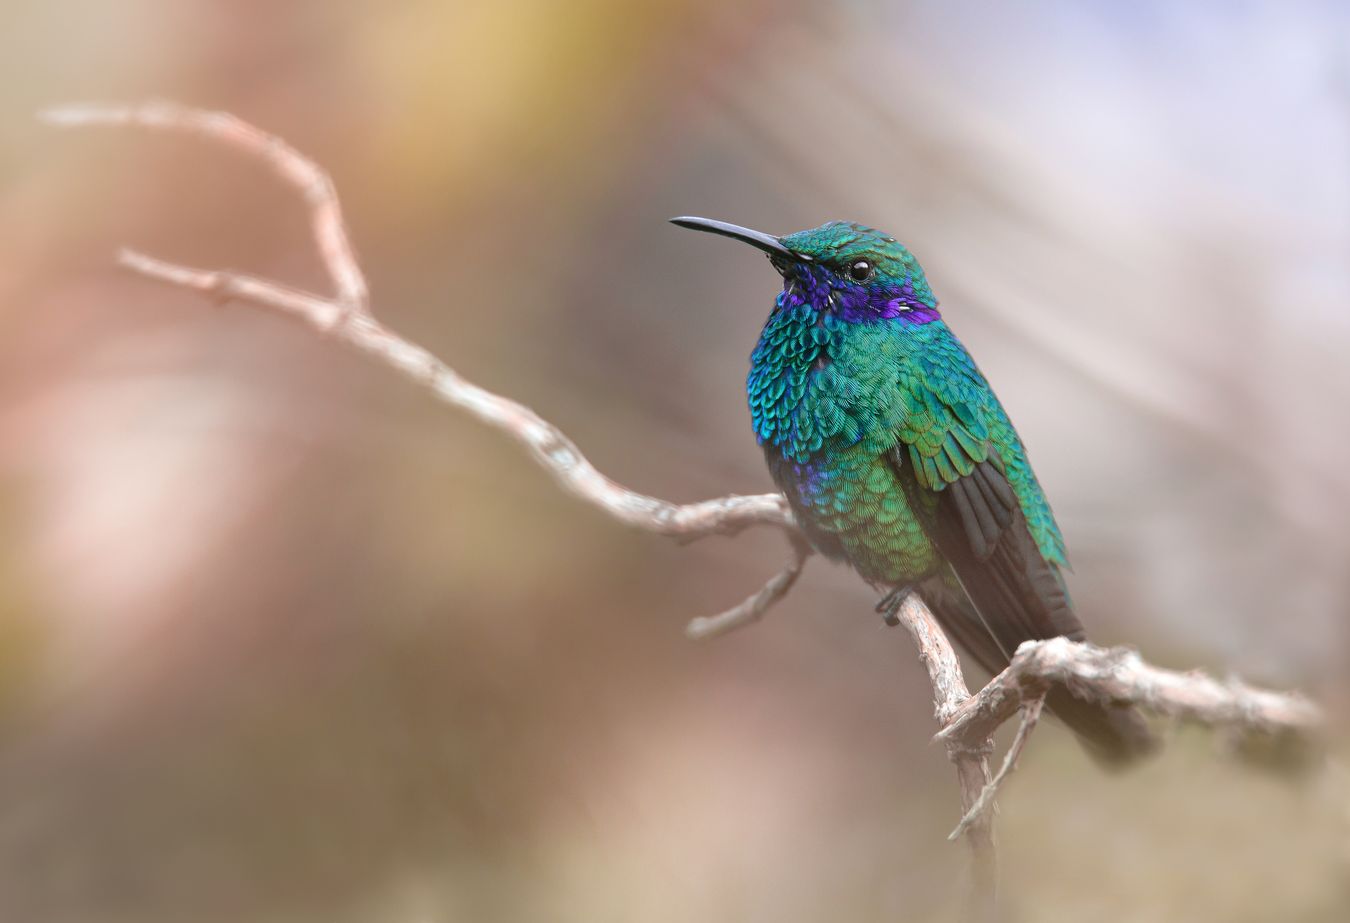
x: 280, y: 640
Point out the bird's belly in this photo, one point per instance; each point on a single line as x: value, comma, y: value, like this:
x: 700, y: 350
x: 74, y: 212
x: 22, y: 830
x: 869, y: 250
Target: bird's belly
x: 854, y: 508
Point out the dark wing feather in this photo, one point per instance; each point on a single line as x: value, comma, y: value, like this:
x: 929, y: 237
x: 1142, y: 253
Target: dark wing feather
x: 979, y: 527
x: 1012, y: 592
x: 986, y: 507
x: 947, y: 599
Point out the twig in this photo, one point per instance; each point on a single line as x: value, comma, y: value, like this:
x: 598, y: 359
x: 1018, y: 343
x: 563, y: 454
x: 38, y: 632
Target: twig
x: 1031, y: 713
x: 313, y: 183
x: 753, y: 608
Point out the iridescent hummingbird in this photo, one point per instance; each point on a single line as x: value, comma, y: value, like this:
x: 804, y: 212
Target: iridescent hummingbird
x: 898, y: 459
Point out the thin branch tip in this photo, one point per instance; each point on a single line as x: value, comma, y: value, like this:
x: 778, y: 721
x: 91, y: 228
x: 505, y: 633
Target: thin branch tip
x: 754, y: 607
x: 984, y: 804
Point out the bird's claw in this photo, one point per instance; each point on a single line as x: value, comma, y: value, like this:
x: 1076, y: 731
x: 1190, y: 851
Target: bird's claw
x: 889, y: 605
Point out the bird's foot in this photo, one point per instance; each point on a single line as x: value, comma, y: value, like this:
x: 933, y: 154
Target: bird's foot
x: 889, y: 605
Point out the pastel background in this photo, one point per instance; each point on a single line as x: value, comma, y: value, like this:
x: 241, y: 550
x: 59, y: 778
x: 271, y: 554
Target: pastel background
x: 281, y: 640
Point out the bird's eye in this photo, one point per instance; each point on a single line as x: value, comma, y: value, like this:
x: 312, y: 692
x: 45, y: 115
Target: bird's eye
x: 860, y: 270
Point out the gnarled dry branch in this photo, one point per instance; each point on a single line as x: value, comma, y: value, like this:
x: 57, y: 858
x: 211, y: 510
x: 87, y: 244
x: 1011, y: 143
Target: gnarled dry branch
x: 347, y: 318
x: 1117, y: 676
x: 969, y: 756
x: 966, y: 721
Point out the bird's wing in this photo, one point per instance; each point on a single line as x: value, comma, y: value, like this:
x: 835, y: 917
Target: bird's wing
x: 962, y: 466
x: 966, y: 476
x: 953, y: 422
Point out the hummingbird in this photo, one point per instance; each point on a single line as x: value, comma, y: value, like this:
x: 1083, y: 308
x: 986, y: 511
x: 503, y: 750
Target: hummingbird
x: 898, y: 459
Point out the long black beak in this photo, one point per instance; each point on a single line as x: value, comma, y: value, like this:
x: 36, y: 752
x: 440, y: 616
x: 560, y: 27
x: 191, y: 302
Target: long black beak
x: 766, y: 242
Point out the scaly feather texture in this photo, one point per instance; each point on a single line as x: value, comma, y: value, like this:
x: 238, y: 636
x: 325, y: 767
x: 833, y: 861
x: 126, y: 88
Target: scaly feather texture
x: 899, y: 460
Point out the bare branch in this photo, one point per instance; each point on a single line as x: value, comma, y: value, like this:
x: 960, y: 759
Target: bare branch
x: 313, y: 183
x: 556, y: 453
x: 967, y: 722
x: 971, y: 758
x: 347, y: 319
x: 938, y: 658
x: 551, y: 449
x: 1118, y: 676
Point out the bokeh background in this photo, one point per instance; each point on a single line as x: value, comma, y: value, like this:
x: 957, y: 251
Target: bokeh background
x: 280, y: 640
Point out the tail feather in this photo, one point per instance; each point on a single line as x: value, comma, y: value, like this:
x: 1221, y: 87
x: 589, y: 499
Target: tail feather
x: 999, y: 589
x: 1114, y: 735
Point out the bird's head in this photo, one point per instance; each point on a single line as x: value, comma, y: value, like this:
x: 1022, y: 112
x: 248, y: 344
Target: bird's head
x: 857, y: 273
